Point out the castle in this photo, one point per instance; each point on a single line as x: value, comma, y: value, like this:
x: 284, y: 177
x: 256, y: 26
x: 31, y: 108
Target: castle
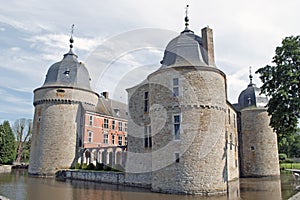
x: 183, y: 134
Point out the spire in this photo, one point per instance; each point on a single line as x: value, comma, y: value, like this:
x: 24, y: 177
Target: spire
x: 71, y: 43
x: 250, y: 77
x: 71, y: 38
x: 186, y: 19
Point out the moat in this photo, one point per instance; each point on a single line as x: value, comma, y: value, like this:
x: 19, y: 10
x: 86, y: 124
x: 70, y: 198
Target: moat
x: 17, y: 185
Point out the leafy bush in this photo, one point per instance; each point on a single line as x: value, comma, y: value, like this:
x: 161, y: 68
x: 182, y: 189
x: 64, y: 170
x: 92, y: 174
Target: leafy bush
x: 99, y: 166
x: 84, y: 166
x: 77, y: 166
x: 107, y: 168
x: 282, y: 156
x: 91, y: 166
x: 289, y: 161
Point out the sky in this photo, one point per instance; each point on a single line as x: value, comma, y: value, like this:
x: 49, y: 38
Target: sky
x: 121, y: 42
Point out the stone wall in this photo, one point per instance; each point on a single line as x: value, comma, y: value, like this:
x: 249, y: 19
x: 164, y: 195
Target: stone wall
x: 259, y: 154
x: 57, y: 126
x: 105, y: 177
x: 5, y: 168
x: 201, y: 103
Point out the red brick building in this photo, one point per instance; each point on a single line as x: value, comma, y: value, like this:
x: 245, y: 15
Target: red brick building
x: 105, y: 132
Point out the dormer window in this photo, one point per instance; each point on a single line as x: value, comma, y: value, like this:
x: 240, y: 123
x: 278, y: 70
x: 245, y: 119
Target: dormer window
x: 67, y: 73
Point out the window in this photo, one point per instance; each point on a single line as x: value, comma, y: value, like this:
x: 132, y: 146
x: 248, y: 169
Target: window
x: 120, y: 126
x: 126, y: 141
x: 176, y: 121
x: 231, y: 141
x: 229, y: 116
x: 147, y: 137
x: 120, y: 139
x: 113, y: 139
x: 113, y: 125
x: 105, y: 123
x: 125, y: 128
x: 175, y: 87
x: 91, y: 120
x: 146, y: 102
x: 234, y: 121
x: 105, y: 138
x: 90, y: 136
x: 177, y: 157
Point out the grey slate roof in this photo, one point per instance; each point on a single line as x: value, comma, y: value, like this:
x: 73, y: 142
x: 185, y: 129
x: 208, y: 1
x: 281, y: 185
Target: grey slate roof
x: 68, y: 72
x: 184, y: 50
x: 251, y: 97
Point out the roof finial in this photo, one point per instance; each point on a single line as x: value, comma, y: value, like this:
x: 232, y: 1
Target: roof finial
x: 71, y: 38
x: 186, y: 19
x: 250, y: 76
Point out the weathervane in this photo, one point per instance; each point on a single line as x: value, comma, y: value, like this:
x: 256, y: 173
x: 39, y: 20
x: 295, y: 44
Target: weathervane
x: 71, y: 38
x: 186, y: 19
x: 250, y: 76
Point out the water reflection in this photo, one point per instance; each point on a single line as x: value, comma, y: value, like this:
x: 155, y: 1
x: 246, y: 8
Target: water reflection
x: 19, y: 186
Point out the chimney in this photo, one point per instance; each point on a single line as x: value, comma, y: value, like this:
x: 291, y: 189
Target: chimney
x: 208, y: 45
x: 105, y: 95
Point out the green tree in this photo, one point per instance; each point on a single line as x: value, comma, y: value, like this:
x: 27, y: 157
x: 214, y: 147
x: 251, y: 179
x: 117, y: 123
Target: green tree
x: 7, y: 144
x: 281, y: 83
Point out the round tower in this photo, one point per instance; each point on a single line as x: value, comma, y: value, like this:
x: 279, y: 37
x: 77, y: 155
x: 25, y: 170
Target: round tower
x: 187, y: 98
x: 258, y: 141
x: 58, y: 117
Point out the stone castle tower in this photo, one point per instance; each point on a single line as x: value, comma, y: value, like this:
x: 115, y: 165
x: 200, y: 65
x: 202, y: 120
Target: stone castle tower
x: 258, y: 141
x: 178, y: 120
x: 58, y: 116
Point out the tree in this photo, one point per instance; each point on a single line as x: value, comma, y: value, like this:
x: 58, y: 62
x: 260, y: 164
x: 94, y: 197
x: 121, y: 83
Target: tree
x: 23, y: 130
x: 281, y: 83
x: 7, y: 144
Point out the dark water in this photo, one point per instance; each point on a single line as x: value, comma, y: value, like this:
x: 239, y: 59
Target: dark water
x: 17, y: 185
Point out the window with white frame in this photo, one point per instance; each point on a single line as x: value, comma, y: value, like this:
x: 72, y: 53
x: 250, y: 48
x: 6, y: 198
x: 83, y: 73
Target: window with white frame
x: 120, y: 128
x: 146, y: 102
x: 147, y: 136
x: 113, y: 124
x: 105, y: 138
x: 175, y: 87
x: 113, y: 139
x: 90, y: 120
x: 90, y: 136
x: 105, y: 125
x: 176, y: 129
x: 120, y: 138
x: 125, y: 127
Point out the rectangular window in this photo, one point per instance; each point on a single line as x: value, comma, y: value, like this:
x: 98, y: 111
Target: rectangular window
x: 234, y: 121
x: 175, y: 87
x: 125, y: 127
x: 176, y: 122
x: 146, y: 102
x: 113, y: 124
x: 126, y: 141
x: 228, y: 116
x: 90, y: 120
x: 105, y: 138
x: 120, y: 128
x: 106, y: 121
x: 120, y: 139
x: 231, y: 141
x: 90, y: 136
x: 177, y: 157
x: 147, y: 136
x: 113, y: 139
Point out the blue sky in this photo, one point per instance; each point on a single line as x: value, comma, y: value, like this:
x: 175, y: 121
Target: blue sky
x: 122, y: 41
